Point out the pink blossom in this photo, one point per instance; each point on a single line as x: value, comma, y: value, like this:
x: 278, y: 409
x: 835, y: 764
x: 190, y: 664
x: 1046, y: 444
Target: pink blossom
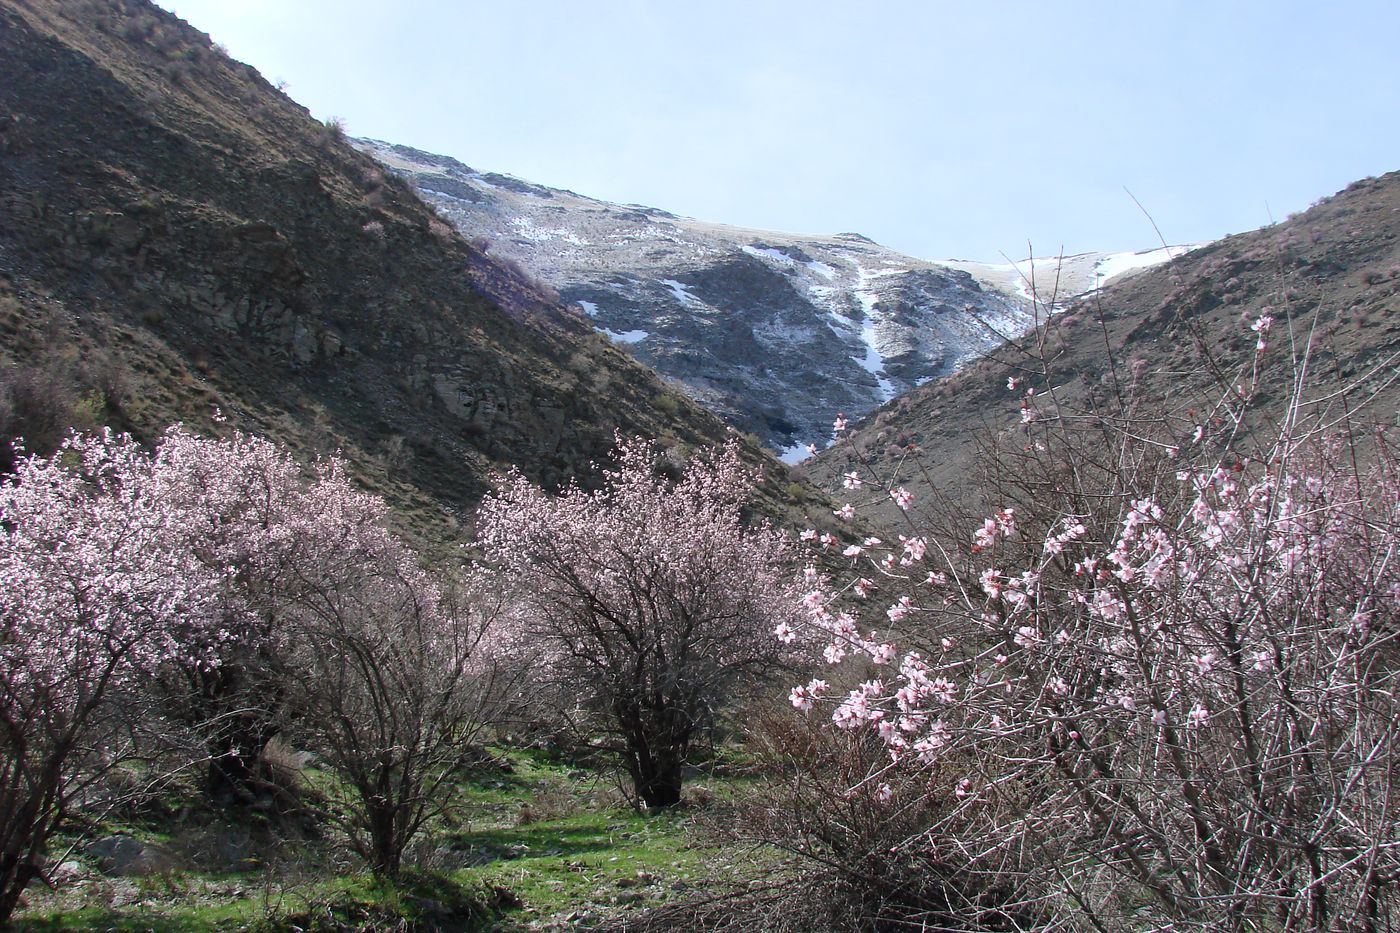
x: 853, y: 711
x: 943, y: 690
x: 985, y: 536
x: 1027, y: 636
x: 991, y: 582
x: 914, y: 548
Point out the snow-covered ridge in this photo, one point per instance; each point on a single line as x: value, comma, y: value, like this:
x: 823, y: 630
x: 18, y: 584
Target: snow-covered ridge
x: 1057, y: 280
x: 776, y: 332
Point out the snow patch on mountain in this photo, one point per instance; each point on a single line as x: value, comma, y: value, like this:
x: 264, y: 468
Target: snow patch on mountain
x: 796, y: 453
x: 873, y: 361
x: 1055, y: 281
x: 775, y: 332
x: 631, y: 336
x: 682, y: 292
x: 1116, y: 264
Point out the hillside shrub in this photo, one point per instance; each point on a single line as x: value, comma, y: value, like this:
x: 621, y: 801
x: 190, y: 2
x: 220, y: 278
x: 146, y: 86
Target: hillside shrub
x: 1164, y: 654
x: 863, y: 826
x: 392, y: 686
x: 649, y: 601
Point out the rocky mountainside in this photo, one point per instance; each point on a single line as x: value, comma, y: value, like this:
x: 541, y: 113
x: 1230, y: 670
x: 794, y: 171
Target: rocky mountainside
x: 1170, y: 340
x: 776, y: 332
x: 178, y: 236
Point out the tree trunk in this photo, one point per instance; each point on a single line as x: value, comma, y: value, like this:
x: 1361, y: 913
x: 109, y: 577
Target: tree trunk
x: 657, y: 766
x: 658, y: 746
x: 660, y: 786
x: 15, y: 875
x: 233, y: 777
x: 385, y: 855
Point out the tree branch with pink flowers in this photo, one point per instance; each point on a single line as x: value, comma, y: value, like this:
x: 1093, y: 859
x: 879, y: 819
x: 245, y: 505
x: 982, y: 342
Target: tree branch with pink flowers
x: 1163, y: 660
x: 651, y: 600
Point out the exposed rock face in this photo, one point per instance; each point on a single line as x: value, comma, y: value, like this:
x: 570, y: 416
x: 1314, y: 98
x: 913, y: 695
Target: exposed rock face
x: 776, y: 332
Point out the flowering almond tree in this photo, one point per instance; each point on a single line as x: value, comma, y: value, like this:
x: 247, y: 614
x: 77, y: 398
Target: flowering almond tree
x: 649, y: 600
x: 252, y: 598
x: 94, y: 593
x: 385, y: 671
x: 392, y: 685
x: 330, y: 629
x: 1160, y: 677
x: 243, y: 508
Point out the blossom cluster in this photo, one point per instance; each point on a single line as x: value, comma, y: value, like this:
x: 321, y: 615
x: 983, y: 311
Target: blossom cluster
x: 1145, y: 661
x: 1123, y: 631
x: 116, y: 560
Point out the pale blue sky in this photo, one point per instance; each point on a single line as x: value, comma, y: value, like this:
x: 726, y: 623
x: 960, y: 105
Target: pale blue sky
x: 945, y: 130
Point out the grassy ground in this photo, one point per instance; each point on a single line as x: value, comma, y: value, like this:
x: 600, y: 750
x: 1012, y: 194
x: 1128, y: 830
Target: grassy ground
x: 542, y: 846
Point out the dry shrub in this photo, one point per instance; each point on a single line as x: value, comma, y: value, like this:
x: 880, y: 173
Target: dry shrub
x: 882, y: 844
x: 872, y: 845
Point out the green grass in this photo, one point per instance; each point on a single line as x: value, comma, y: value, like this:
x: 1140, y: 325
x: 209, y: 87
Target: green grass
x: 546, y: 840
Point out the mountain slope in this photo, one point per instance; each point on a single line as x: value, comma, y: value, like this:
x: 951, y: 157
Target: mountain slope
x: 776, y: 332
x: 1165, y: 340
x: 167, y: 213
